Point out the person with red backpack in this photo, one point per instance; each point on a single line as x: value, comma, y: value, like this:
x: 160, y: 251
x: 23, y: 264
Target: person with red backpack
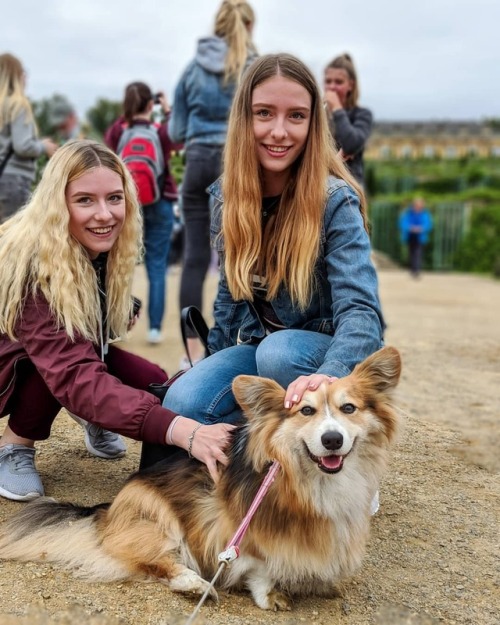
x: 145, y: 148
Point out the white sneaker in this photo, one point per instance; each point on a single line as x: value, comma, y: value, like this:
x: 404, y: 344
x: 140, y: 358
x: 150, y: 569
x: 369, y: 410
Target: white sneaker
x: 154, y: 336
x: 375, y: 504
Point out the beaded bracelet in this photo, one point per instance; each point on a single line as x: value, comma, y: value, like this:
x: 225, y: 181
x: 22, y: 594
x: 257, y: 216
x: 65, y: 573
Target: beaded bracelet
x: 191, y: 439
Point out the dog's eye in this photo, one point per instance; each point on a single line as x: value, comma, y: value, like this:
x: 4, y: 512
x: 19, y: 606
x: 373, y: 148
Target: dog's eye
x: 348, y: 408
x: 308, y: 411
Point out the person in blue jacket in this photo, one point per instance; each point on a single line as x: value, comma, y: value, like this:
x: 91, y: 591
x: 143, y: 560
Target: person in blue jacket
x: 200, y: 112
x: 415, y: 224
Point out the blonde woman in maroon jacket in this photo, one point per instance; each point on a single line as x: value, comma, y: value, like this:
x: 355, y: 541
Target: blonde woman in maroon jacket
x: 66, y: 266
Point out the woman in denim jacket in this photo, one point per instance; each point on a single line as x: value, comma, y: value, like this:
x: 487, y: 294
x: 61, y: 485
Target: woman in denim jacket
x: 298, y: 297
x: 200, y: 112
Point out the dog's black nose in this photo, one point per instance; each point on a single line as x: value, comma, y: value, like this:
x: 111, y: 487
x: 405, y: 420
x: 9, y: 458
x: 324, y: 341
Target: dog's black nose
x: 332, y: 440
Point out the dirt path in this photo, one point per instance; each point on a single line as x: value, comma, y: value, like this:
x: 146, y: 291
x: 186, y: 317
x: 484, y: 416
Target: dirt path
x: 434, y: 554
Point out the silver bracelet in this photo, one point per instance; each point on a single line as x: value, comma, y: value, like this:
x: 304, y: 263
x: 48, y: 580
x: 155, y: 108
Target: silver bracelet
x: 191, y: 439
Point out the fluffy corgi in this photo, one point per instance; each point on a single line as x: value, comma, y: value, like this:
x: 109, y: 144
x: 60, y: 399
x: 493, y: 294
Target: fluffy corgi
x: 170, y: 521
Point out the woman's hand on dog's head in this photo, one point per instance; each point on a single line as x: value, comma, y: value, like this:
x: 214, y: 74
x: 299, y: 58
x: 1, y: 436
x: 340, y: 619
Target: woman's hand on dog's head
x: 298, y: 387
x: 207, y: 444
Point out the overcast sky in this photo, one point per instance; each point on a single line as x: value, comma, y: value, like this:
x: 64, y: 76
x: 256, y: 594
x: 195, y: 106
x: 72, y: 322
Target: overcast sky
x: 424, y: 59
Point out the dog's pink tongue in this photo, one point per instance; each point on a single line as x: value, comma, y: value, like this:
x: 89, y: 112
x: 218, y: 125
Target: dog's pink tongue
x: 331, y: 462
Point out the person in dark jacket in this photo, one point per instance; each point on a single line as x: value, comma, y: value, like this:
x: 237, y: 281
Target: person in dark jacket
x: 158, y: 217
x: 200, y: 113
x: 350, y: 124
x: 66, y: 266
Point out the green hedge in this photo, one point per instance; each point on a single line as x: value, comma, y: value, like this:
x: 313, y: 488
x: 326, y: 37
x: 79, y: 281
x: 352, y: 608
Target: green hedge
x: 480, y: 249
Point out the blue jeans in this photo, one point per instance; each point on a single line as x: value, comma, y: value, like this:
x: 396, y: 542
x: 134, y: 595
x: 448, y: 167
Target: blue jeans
x: 204, y: 392
x: 158, y: 224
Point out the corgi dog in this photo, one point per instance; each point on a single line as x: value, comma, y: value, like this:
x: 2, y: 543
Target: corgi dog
x: 170, y: 521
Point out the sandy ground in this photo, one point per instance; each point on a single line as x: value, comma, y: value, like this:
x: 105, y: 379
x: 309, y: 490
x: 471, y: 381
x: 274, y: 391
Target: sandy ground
x: 434, y: 552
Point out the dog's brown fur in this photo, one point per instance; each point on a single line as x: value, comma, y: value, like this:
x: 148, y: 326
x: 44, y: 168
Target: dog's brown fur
x: 171, y: 522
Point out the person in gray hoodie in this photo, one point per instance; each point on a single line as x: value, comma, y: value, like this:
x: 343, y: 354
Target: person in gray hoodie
x: 199, y: 119
x: 19, y: 144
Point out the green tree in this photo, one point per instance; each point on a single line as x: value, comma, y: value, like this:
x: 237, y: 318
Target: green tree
x: 494, y: 123
x: 41, y: 111
x: 103, y: 114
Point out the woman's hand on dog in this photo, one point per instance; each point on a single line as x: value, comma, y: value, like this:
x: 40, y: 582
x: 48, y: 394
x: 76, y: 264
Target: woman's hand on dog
x: 208, y: 443
x: 304, y: 383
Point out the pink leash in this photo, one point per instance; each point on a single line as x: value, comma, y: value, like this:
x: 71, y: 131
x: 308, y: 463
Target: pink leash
x: 232, y: 550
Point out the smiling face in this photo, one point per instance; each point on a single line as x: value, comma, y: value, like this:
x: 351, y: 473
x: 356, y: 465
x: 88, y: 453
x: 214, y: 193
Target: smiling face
x: 281, y: 112
x: 96, y: 204
x: 338, y: 80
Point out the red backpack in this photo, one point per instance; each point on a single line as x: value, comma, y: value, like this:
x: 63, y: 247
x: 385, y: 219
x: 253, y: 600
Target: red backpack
x: 140, y: 149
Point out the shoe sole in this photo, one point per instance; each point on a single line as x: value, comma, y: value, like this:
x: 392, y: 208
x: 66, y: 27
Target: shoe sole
x: 14, y: 497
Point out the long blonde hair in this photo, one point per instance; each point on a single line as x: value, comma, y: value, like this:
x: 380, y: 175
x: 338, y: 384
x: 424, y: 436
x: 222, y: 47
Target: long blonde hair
x: 287, y: 252
x: 39, y: 255
x: 12, y: 97
x: 233, y: 22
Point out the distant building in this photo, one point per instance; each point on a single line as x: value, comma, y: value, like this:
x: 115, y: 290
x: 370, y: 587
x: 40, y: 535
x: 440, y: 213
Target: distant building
x: 432, y: 139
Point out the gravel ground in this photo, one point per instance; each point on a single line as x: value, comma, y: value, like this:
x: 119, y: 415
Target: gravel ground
x: 434, y: 550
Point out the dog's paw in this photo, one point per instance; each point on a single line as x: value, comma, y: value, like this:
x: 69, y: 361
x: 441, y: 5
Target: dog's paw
x: 190, y: 582
x: 278, y: 601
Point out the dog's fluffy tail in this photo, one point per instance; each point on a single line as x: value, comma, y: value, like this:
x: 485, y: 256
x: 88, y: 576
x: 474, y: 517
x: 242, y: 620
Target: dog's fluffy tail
x: 48, y: 531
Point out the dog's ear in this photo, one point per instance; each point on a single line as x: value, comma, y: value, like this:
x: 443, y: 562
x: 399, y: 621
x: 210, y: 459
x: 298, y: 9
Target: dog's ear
x: 382, y: 369
x: 258, y: 396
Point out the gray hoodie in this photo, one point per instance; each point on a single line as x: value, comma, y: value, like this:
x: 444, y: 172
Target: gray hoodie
x: 211, y: 54
x: 21, y: 134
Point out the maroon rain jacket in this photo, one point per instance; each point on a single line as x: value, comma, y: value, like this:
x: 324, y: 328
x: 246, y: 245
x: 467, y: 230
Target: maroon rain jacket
x: 77, y: 377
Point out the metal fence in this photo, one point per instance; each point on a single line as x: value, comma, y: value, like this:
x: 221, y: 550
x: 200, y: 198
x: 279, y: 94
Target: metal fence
x: 451, y: 222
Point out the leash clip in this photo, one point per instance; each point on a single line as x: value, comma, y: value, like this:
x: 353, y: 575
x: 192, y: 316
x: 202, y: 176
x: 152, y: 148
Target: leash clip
x: 229, y: 555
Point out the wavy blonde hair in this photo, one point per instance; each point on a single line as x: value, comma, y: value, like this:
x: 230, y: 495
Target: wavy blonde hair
x: 287, y: 252
x: 39, y: 255
x: 233, y: 22
x: 12, y: 97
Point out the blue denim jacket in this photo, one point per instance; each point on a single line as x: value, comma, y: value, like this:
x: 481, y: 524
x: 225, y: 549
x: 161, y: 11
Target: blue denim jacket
x: 344, y: 304
x: 202, y: 101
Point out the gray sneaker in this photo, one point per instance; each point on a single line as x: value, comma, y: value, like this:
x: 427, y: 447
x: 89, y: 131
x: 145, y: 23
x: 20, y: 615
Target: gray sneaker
x: 99, y: 442
x: 103, y: 443
x: 19, y: 479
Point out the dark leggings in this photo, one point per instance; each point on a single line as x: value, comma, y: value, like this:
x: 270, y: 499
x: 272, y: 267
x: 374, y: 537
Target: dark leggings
x: 32, y: 407
x: 203, y: 164
x: 416, y: 253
